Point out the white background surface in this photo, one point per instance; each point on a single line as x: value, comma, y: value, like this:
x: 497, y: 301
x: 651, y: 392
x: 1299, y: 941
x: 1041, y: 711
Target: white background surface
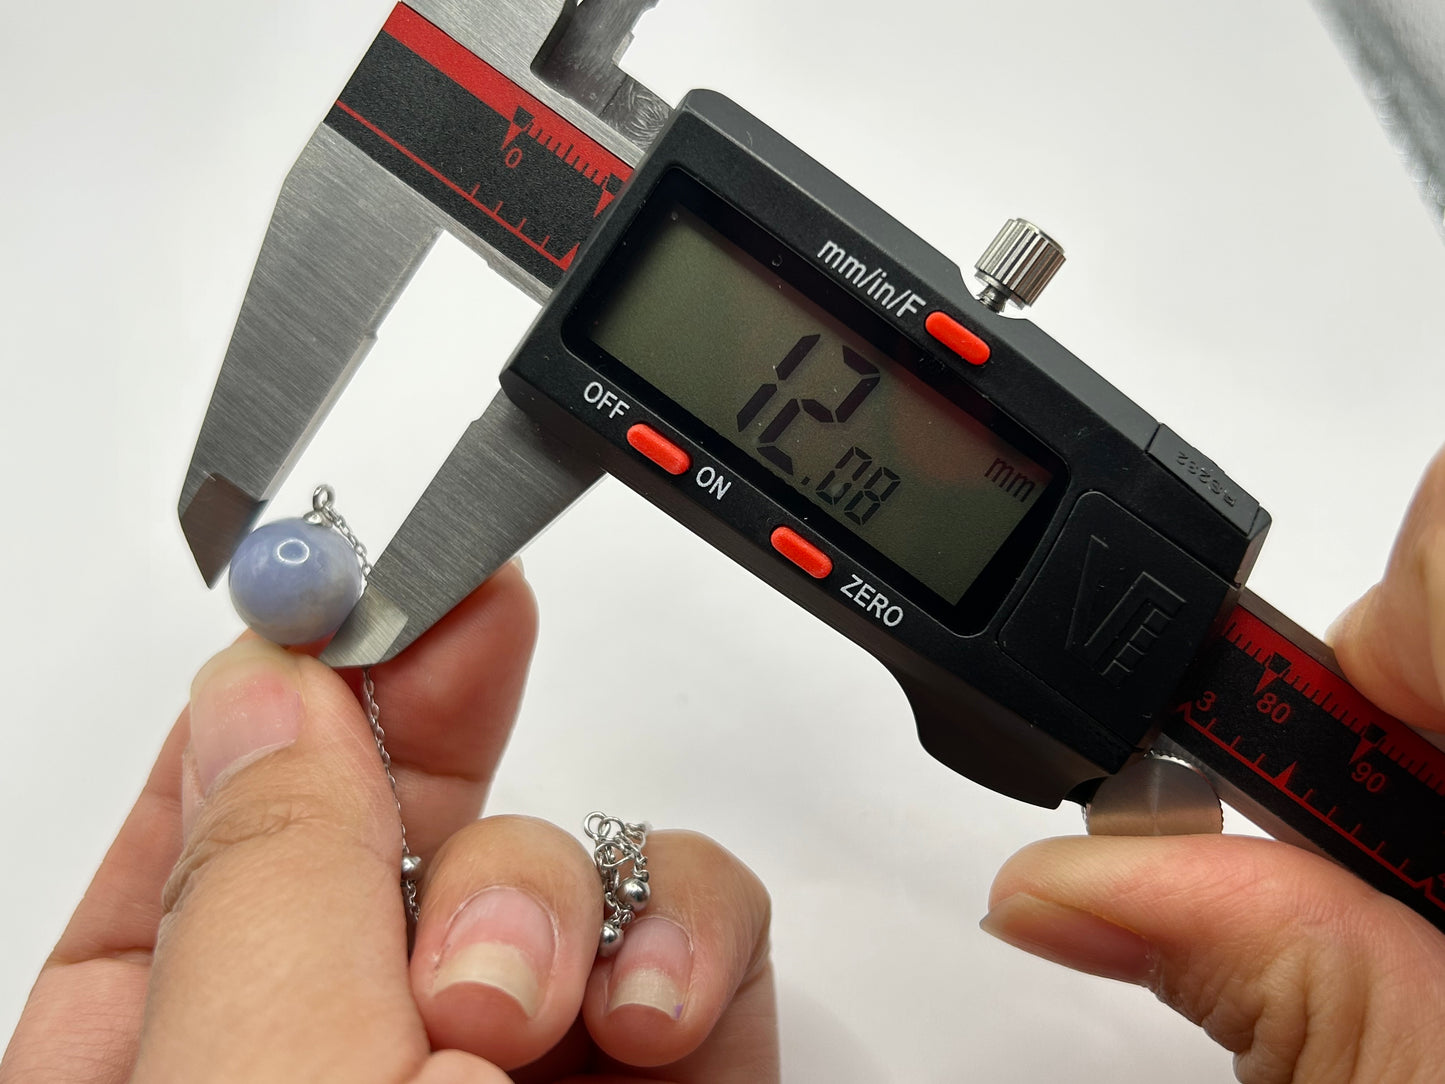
x: 1248, y: 261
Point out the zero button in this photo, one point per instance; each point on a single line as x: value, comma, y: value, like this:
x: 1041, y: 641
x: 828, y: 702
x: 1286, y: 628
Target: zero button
x: 802, y: 553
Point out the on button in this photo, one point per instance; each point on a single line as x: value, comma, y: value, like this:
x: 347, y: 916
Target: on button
x: 659, y: 449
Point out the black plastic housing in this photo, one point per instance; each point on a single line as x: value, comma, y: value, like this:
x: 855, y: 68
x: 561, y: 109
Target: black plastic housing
x: 1100, y: 606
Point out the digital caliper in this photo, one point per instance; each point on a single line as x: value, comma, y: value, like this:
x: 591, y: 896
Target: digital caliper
x: 1054, y: 578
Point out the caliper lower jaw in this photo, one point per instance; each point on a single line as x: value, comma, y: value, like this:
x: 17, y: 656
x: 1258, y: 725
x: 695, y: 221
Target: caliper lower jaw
x: 344, y: 241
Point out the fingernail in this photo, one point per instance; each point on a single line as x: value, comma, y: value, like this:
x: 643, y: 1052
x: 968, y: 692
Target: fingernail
x: 653, y: 968
x: 244, y: 703
x: 1074, y: 938
x: 502, y: 938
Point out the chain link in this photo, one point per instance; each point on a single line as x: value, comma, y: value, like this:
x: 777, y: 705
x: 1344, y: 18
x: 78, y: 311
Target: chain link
x: 410, y: 864
x: 618, y: 845
x: 323, y: 513
x: 620, y: 863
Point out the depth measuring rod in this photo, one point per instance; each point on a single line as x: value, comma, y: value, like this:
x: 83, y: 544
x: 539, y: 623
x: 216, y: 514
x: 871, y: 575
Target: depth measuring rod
x: 1054, y: 577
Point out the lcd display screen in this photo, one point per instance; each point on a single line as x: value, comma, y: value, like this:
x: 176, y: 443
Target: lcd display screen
x: 848, y: 427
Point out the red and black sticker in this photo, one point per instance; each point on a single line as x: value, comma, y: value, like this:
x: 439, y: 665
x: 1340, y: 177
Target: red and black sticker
x: 1300, y: 741
x: 471, y: 141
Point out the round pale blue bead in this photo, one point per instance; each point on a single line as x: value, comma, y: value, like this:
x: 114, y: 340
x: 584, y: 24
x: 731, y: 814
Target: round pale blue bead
x: 294, y: 582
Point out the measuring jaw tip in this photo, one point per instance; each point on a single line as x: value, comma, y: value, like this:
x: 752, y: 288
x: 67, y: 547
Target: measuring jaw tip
x: 215, y: 516
x: 369, y: 635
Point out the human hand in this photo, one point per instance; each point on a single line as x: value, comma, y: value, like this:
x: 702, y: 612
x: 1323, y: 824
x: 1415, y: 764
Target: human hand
x: 1305, y: 972
x: 247, y: 923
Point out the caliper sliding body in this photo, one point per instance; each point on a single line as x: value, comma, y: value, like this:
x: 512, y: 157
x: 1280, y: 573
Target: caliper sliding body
x: 1054, y: 577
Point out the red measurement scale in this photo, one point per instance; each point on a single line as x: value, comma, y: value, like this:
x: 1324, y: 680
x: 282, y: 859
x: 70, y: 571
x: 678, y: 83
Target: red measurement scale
x: 1266, y: 711
x: 481, y: 148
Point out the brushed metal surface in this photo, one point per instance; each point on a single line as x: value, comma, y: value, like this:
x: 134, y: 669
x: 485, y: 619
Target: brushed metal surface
x: 502, y: 485
x: 344, y: 241
x: 1155, y: 796
x: 346, y: 238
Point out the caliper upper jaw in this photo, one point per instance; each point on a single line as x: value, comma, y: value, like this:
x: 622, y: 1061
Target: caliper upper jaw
x: 566, y: 53
x: 346, y: 237
x: 580, y: 59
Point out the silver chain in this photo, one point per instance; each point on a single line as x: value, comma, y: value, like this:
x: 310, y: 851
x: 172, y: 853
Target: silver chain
x: 618, y: 856
x: 323, y: 513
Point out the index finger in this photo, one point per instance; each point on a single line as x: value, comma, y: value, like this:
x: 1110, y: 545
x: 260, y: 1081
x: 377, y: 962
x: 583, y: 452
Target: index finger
x: 1391, y: 643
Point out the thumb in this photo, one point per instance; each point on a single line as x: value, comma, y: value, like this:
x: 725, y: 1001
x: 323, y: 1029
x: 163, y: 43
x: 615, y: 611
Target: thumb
x: 1391, y: 643
x: 283, y: 951
x: 1302, y: 970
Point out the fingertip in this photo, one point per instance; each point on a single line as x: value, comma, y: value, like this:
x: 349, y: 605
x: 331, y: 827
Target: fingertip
x: 247, y: 652
x: 1069, y: 936
x: 1237, y: 895
x: 653, y: 971
x: 1038, y: 866
x: 1357, y: 637
x: 457, y: 1067
x: 1344, y: 629
x: 506, y: 939
x: 500, y: 947
x: 1277, y: 952
x: 1391, y: 643
x: 703, y: 937
x: 246, y: 701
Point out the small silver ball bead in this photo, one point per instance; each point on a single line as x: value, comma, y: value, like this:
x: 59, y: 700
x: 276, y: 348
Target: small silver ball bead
x: 610, y: 940
x: 634, y: 892
x: 410, y: 867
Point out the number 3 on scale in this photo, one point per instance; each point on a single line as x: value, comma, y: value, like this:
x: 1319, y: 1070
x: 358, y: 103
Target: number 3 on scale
x: 832, y: 489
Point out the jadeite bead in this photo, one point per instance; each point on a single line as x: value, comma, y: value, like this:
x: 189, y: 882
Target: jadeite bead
x: 294, y: 582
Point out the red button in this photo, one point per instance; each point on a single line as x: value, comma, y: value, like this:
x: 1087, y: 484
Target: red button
x: 659, y: 449
x: 802, y: 553
x: 957, y: 338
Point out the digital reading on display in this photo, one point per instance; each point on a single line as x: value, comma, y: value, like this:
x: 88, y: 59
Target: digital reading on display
x: 849, y: 428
